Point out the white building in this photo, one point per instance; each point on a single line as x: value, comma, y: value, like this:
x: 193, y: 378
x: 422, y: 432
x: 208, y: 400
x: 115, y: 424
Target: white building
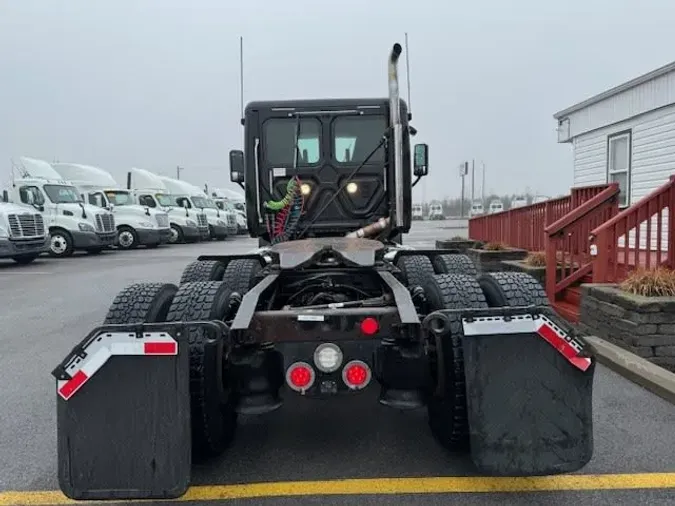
x: 624, y: 135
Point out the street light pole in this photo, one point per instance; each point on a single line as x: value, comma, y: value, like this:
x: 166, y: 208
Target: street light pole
x: 178, y: 169
x: 463, y: 170
x: 473, y: 180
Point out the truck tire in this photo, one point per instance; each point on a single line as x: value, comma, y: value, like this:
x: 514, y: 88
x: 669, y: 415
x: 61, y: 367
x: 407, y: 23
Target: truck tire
x: 141, y: 303
x: 241, y: 274
x: 60, y: 243
x: 512, y: 289
x: 447, y: 408
x: 127, y: 238
x: 454, y: 264
x: 25, y: 259
x: 176, y: 236
x: 415, y: 269
x: 212, y: 406
x: 203, y: 270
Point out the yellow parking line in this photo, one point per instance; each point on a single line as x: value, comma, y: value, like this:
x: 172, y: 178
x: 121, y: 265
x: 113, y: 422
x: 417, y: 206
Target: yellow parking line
x: 383, y: 486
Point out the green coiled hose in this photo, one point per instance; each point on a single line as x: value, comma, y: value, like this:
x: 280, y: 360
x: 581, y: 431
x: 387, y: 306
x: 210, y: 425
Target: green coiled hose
x: 278, y: 205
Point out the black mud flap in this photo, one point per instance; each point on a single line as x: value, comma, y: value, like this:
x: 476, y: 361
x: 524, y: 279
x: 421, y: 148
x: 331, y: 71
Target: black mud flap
x: 123, y: 413
x: 529, y: 382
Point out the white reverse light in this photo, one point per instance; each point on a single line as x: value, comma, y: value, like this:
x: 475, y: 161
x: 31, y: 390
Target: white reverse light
x: 327, y: 357
x: 352, y: 188
x: 305, y: 188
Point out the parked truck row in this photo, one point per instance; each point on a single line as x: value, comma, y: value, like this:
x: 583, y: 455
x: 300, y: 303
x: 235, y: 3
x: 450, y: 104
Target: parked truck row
x: 60, y: 208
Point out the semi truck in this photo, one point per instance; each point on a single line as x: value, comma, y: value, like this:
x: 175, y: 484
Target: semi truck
x: 436, y: 212
x: 24, y: 235
x: 331, y: 305
x: 186, y: 224
x: 192, y: 197
x: 73, y: 224
x: 136, y: 225
x: 417, y: 212
x: 228, y: 200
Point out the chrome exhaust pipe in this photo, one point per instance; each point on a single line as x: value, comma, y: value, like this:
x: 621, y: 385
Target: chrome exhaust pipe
x: 397, y: 127
x: 370, y: 230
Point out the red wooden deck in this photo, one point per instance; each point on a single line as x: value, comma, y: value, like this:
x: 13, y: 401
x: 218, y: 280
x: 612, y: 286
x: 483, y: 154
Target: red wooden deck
x: 584, y: 234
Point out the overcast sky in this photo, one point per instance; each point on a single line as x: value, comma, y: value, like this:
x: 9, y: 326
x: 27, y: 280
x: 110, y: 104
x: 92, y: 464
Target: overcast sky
x: 154, y: 84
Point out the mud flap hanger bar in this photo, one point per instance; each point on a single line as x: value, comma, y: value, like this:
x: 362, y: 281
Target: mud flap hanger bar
x: 166, y: 332
x: 540, y: 320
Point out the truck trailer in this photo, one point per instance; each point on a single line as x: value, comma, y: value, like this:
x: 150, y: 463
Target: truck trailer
x: 332, y: 304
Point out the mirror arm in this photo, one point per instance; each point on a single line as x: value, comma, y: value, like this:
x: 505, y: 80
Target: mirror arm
x: 417, y: 180
x: 241, y: 185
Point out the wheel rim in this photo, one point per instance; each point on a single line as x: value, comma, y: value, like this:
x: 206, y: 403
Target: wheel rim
x: 174, y: 235
x: 126, y: 239
x: 58, y: 244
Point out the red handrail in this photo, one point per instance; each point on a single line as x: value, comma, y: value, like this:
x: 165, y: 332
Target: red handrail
x: 610, y: 265
x: 568, y: 247
x: 524, y: 227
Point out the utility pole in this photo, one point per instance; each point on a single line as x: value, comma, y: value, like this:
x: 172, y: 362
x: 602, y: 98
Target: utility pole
x: 473, y: 179
x: 463, y: 171
x: 178, y: 169
x: 483, y: 188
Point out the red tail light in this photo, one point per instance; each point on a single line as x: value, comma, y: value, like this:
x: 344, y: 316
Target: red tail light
x: 356, y: 375
x: 370, y: 326
x: 300, y: 376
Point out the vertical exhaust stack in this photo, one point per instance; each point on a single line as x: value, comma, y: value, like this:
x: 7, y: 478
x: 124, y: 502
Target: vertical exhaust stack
x: 397, y: 127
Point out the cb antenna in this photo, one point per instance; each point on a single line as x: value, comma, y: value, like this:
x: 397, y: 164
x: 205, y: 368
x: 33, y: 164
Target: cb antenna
x: 241, y: 77
x: 407, y: 74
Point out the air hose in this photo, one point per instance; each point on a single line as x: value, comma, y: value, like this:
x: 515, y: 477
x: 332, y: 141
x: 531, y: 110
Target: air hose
x: 287, y: 213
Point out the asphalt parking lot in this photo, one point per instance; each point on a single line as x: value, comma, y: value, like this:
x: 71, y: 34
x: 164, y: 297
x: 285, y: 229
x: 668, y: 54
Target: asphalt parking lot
x: 49, y: 306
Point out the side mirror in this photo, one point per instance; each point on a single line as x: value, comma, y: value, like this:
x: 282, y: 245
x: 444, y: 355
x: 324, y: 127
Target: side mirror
x: 421, y: 160
x: 5, y: 196
x: 237, y: 166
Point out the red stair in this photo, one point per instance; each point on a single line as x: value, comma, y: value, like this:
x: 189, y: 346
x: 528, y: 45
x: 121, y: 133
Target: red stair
x: 568, y: 302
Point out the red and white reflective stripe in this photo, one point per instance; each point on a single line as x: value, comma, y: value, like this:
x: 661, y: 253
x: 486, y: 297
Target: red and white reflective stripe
x: 567, y: 346
x: 108, y: 344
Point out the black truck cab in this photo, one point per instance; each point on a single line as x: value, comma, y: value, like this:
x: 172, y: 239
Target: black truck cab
x: 344, y: 164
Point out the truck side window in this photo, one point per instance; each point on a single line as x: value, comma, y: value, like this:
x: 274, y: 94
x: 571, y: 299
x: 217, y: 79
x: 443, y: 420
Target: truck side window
x: 146, y: 200
x: 96, y: 199
x: 31, y: 195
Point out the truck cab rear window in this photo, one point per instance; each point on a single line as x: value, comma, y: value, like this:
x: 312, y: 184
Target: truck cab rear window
x: 355, y: 137
x: 279, y: 141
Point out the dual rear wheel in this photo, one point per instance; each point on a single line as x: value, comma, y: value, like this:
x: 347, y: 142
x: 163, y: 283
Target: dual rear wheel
x: 212, y: 403
x: 450, y: 282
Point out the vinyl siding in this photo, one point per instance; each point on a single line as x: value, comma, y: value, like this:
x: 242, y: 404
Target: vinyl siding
x: 652, y: 160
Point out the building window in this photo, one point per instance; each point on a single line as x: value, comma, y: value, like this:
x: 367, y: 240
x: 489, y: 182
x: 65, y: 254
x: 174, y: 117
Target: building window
x: 619, y: 164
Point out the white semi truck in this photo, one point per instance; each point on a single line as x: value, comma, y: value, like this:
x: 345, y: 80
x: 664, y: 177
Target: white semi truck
x: 24, y: 236
x: 72, y: 223
x: 436, y: 212
x: 187, y: 224
x: 230, y: 201
x: 136, y: 224
x: 417, y: 212
x: 189, y: 195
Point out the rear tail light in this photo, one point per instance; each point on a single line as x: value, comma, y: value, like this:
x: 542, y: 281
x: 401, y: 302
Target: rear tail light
x: 356, y: 375
x: 370, y: 326
x: 300, y: 376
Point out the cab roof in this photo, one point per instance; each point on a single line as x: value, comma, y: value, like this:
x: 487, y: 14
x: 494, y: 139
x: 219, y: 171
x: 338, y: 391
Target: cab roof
x: 323, y: 103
